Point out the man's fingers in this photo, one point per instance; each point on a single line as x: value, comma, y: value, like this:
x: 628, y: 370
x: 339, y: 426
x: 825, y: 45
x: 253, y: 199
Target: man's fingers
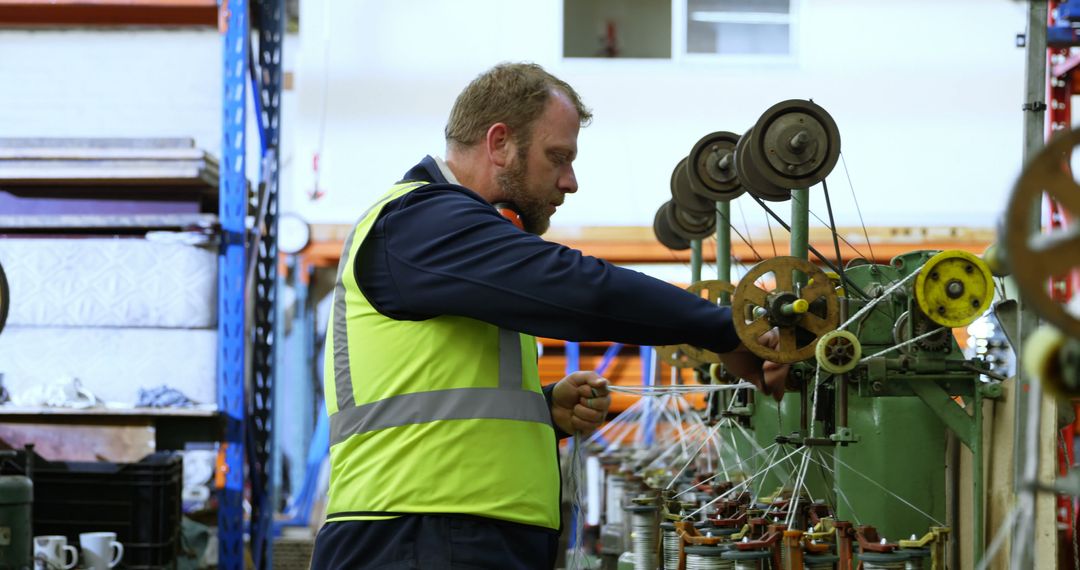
x: 596, y: 387
x: 583, y: 426
x: 588, y: 414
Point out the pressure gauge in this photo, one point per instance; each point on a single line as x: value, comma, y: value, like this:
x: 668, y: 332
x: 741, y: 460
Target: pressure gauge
x: 294, y: 233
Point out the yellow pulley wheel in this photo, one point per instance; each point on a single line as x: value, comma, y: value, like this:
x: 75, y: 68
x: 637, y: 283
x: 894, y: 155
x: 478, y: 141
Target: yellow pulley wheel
x: 671, y: 355
x: 954, y: 288
x: 5, y: 298
x: 838, y: 352
x: 812, y: 308
x: 715, y: 291
x: 1054, y: 360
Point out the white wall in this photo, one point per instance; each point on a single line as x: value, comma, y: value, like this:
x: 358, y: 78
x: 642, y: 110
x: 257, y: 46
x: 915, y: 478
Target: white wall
x: 120, y: 82
x: 124, y: 82
x: 926, y: 93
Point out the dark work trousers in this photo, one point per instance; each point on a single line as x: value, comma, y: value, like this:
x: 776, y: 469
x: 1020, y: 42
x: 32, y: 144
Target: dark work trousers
x: 434, y: 542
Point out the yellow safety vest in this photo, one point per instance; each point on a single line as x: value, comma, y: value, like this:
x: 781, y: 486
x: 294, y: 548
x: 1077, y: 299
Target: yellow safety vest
x: 441, y: 416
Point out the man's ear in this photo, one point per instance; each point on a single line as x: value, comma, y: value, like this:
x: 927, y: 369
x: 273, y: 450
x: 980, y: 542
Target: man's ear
x: 499, y: 144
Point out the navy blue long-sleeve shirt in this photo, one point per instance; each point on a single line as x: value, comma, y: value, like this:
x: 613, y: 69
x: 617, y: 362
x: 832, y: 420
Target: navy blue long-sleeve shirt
x: 443, y: 250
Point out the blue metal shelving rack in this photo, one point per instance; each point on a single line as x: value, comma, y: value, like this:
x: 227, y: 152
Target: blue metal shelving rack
x: 231, y: 284
x: 248, y: 423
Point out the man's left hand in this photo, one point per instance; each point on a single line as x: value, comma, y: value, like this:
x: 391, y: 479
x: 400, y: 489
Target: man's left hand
x: 579, y: 402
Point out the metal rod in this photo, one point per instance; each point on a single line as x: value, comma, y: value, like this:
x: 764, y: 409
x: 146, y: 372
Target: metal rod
x: 842, y: 379
x: 978, y: 542
x: 1029, y: 393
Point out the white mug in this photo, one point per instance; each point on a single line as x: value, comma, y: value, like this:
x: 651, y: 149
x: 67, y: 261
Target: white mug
x: 49, y: 552
x: 97, y: 550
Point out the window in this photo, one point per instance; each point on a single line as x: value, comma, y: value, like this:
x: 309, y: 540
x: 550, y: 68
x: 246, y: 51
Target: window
x: 674, y: 29
x: 738, y: 27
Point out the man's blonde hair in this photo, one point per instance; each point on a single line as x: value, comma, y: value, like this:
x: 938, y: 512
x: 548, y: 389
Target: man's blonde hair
x: 510, y: 93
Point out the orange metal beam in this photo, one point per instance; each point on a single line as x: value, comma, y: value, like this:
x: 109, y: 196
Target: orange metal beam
x: 109, y: 12
x: 327, y: 253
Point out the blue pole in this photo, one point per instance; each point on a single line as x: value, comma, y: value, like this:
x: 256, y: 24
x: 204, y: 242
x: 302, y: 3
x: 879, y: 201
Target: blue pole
x: 648, y: 420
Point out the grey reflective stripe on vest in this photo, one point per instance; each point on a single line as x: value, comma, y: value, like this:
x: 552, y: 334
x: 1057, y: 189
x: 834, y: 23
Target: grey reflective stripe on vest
x: 454, y: 404
x: 342, y: 374
x: 342, y: 377
x: 509, y: 360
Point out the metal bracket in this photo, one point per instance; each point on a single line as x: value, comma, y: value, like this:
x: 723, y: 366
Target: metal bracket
x: 844, y: 435
x: 952, y: 415
x: 1036, y: 106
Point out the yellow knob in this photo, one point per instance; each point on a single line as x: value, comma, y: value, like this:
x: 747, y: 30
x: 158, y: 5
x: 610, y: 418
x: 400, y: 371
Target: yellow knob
x: 800, y: 306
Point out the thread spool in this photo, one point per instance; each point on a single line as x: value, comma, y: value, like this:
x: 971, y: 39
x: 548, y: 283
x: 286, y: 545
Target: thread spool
x: 883, y: 560
x: 703, y: 557
x: 915, y: 557
x: 643, y: 536
x: 670, y: 540
x: 820, y: 561
x: 613, y: 502
x: 747, y: 559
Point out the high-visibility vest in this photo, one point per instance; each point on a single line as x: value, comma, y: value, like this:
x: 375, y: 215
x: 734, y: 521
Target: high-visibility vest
x: 440, y: 416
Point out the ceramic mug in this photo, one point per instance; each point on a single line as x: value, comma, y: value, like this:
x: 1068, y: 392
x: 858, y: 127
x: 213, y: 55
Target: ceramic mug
x: 100, y: 551
x: 50, y: 551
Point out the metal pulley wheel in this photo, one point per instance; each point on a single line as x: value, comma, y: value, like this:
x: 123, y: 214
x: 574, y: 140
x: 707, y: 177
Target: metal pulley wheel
x: 687, y: 199
x: 5, y: 298
x: 1055, y: 360
x: 672, y: 355
x: 749, y: 176
x: 954, y: 288
x: 812, y: 308
x: 796, y: 144
x: 1034, y: 257
x: 664, y: 233
x: 689, y: 225
x: 711, y: 167
x: 838, y: 352
x: 718, y: 293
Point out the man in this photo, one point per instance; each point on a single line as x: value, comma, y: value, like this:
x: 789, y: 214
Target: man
x: 443, y: 444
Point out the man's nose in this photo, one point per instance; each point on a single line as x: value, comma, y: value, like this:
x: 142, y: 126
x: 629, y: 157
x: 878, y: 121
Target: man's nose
x: 568, y: 181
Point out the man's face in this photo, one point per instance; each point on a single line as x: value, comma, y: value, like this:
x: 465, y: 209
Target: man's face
x: 539, y: 176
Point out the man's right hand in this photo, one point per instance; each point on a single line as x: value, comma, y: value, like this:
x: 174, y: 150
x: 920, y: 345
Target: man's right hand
x: 769, y: 377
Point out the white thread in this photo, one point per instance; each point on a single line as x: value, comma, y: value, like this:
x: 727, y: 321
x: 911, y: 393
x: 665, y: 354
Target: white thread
x: 654, y: 391
x: 999, y: 538
x: 902, y: 345
x: 840, y: 491
x: 744, y: 483
x: 881, y: 298
x: 879, y: 486
x: 703, y: 444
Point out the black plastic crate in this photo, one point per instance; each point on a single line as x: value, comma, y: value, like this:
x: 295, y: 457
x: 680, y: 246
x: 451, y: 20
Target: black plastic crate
x: 140, y: 502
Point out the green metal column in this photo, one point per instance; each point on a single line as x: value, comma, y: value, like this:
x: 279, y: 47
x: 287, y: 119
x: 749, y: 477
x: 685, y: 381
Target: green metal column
x: 723, y: 241
x: 800, y: 222
x: 771, y: 418
x: 695, y: 261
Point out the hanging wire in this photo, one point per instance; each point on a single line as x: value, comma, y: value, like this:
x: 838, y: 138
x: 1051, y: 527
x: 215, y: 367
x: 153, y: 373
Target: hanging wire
x: 746, y: 227
x: 846, y: 242
x: 832, y: 226
x: 768, y: 224
x: 894, y: 495
x: 857, y: 209
x: 848, y: 284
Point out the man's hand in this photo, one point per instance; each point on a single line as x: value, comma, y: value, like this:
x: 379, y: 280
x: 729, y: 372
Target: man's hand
x: 769, y: 377
x: 580, y: 402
